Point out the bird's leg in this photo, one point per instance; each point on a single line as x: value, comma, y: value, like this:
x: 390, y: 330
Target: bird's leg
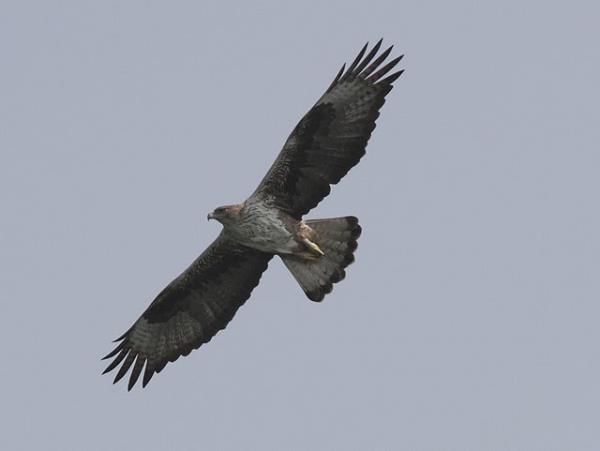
x: 313, y: 248
x: 306, y: 235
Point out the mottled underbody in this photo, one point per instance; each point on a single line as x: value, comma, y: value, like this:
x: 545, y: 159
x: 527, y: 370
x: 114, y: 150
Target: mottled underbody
x: 263, y: 227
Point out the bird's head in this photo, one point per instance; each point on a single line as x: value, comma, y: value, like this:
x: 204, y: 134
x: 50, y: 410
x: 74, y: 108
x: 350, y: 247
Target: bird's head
x: 225, y: 215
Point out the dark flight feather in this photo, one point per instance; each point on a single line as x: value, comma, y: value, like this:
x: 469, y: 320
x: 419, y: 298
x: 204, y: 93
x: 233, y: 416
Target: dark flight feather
x: 331, y: 138
x: 190, y: 310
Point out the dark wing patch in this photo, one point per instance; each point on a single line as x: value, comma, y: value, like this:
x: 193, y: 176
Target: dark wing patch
x: 331, y: 138
x: 190, y: 310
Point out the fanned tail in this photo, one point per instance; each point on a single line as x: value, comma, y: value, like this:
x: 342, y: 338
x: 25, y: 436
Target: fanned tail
x: 336, y: 237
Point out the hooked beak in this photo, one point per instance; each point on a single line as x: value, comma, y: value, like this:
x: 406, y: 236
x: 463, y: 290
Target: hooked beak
x: 210, y: 216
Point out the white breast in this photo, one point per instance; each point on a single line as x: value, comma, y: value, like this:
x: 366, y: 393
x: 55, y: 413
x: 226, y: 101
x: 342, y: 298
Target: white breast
x: 261, y: 228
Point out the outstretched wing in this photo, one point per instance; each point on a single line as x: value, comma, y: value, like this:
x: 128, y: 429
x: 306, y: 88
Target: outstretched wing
x: 190, y: 310
x: 331, y: 138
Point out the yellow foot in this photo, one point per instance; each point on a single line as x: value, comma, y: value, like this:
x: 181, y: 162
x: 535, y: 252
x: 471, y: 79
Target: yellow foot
x: 313, y: 247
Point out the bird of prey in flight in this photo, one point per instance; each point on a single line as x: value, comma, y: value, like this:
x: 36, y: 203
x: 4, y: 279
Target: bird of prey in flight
x: 327, y: 142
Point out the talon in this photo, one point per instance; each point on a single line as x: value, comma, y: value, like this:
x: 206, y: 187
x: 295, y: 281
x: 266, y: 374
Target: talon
x: 313, y: 247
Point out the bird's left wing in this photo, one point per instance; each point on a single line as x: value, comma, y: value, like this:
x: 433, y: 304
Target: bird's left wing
x: 331, y: 138
x: 190, y: 310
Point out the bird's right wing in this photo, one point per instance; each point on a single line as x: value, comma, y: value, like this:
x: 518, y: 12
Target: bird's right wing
x: 190, y: 310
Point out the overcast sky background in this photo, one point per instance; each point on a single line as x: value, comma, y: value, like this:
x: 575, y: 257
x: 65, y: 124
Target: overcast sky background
x: 470, y: 318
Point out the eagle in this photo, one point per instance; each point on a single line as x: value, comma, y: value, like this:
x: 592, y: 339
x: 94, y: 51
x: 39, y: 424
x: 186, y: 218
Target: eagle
x: 327, y: 142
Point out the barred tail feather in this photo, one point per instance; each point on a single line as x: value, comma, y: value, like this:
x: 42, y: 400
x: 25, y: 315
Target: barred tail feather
x: 337, y: 239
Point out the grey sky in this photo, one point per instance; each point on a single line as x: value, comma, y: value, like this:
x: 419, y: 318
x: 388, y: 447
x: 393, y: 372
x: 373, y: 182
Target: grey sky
x: 470, y: 319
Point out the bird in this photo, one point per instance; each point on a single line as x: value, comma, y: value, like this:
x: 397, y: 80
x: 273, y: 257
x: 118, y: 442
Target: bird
x: 325, y: 144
